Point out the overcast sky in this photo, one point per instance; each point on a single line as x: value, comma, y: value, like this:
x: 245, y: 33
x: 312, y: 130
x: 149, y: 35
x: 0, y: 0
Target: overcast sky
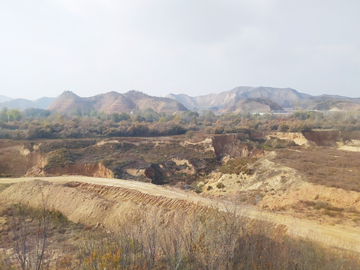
x: 178, y: 46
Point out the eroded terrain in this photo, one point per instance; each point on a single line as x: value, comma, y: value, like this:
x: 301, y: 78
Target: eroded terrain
x: 303, y: 181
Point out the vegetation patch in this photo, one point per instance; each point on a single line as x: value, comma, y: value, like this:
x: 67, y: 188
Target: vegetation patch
x: 239, y: 165
x: 324, y: 166
x: 216, y: 240
x: 318, y: 205
x: 61, y: 157
x: 276, y: 143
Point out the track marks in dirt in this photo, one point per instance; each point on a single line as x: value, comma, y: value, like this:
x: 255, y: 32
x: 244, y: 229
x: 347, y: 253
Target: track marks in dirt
x: 121, y: 194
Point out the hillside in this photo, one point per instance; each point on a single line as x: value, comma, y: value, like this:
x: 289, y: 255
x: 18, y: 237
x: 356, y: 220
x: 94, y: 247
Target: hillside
x: 68, y: 101
x: 4, y: 98
x: 260, y: 105
x: 284, y: 97
x: 22, y: 104
x: 113, y: 102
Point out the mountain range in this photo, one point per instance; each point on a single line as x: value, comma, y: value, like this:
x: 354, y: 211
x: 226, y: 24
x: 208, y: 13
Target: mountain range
x: 239, y: 99
x: 112, y: 102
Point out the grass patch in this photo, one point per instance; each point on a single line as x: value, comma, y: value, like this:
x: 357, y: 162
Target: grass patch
x: 324, y: 166
x: 276, y: 143
x: 61, y: 157
x: 318, y: 205
x: 238, y: 165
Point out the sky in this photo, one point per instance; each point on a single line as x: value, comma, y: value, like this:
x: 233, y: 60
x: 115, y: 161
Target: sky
x: 195, y: 47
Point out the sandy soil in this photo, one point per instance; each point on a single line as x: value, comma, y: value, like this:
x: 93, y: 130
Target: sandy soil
x: 341, y: 236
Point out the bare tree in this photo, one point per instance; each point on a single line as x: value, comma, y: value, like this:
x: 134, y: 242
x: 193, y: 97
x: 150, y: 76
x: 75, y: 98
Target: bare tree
x: 30, y: 228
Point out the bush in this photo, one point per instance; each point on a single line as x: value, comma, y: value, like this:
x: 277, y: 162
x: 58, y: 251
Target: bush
x: 220, y: 185
x: 238, y: 165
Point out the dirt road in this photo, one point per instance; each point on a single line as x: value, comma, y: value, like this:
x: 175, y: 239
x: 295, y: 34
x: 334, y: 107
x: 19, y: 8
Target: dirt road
x: 341, y: 236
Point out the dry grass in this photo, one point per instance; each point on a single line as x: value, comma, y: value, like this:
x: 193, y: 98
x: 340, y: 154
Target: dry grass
x: 324, y: 166
x: 155, y: 238
x: 238, y: 165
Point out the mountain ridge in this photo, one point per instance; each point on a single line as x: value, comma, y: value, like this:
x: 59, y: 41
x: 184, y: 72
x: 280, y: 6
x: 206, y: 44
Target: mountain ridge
x: 114, y: 102
x: 283, y: 97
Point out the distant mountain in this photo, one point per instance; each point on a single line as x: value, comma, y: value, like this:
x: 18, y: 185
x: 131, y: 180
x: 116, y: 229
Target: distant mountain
x: 68, y: 101
x: 282, y: 97
x: 22, y: 104
x: 112, y: 102
x: 4, y: 98
x: 259, y: 105
x: 44, y: 102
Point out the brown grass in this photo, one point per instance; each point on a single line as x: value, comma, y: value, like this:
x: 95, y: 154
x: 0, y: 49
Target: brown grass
x: 324, y: 166
x: 183, y: 240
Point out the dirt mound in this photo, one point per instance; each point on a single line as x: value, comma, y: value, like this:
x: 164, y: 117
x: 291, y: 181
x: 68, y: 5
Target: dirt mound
x: 90, y: 203
x: 268, y: 178
x: 310, y: 192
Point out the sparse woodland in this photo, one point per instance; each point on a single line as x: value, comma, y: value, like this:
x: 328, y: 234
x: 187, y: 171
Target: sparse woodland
x: 41, y: 124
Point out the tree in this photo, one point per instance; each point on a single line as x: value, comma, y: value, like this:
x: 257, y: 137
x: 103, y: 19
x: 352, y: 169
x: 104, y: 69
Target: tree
x: 14, y: 115
x: 30, y: 238
x: 3, y: 115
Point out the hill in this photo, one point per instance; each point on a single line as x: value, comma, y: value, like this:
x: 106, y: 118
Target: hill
x: 113, y: 102
x: 22, y: 104
x: 4, y: 98
x: 254, y: 105
x: 281, y: 97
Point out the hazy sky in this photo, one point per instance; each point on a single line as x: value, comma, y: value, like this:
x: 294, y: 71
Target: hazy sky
x: 178, y: 46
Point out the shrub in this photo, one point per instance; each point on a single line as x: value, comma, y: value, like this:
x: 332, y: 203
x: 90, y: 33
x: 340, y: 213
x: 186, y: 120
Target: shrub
x: 238, y: 165
x: 220, y: 185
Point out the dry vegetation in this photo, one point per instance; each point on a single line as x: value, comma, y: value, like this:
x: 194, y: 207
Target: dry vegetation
x: 238, y: 165
x: 161, y: 233
x: 148, y: 239
x: 324, y: 166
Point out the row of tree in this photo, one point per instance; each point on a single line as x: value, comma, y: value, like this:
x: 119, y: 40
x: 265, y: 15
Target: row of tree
x: 39, y: 124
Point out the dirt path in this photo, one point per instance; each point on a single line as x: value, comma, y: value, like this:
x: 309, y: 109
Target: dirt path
x: 341, y: 236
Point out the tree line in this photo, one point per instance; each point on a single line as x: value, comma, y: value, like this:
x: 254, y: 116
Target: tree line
x: 43, y: 124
